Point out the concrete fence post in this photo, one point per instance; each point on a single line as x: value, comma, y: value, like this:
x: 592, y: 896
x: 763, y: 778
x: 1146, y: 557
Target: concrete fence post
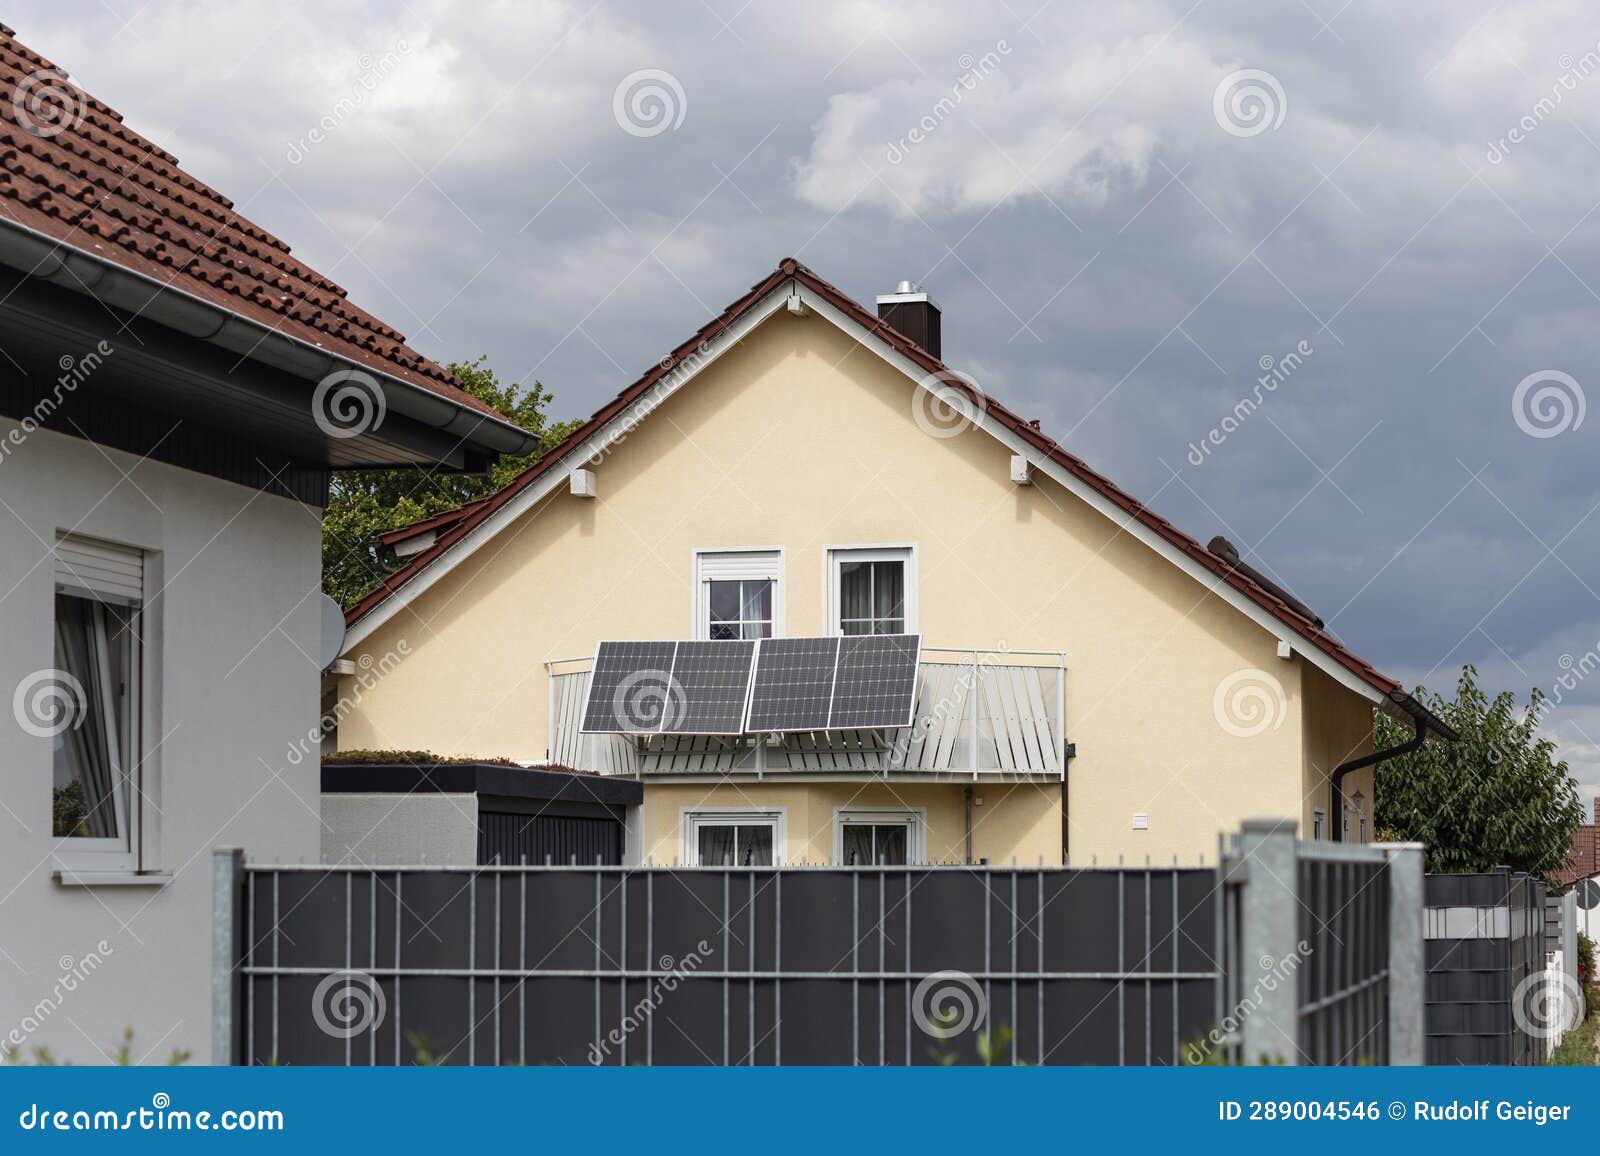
x: 1269, y: 1012
x: 1408, y: 964
x: 227, y: 916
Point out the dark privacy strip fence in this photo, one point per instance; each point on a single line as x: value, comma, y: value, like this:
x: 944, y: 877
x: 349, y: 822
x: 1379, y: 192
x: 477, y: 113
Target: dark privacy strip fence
x: 1291, y: 951
x: 728, y: 966
x: 1485, y: 937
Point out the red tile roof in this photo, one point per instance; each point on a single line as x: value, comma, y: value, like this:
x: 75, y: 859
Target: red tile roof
x: 1585, y: 859
x: 1028, y: 431
x: 440, y: 521
x: 71, y: 170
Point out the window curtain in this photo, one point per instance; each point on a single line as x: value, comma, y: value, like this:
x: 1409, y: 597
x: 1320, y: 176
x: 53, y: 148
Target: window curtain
x: 855, y: 597
x: 717, y: 846
x: 875, y: 845
x: 755, y: 846
x: 889, y: 597
x: 756, y: 608
x: 86, y: 752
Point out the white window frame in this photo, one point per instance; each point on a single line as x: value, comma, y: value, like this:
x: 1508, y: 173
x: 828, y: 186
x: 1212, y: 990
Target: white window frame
x: 85, y: 859
x: 1319, y: 823
x: 741, y: 563
x: 880, y: 552
x: 914, y: 819
x: 691, y: 819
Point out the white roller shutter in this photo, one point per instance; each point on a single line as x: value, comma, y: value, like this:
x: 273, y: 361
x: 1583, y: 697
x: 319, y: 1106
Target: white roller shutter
x: 101, y: 569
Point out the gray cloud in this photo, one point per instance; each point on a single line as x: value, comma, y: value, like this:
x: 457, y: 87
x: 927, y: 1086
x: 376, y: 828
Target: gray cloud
x: 1110, y: 258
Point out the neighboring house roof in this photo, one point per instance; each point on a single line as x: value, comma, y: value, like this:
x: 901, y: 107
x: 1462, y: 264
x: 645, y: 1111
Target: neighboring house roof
x: 72, y: 173
x: 1585, y: 859
x: 1237, y: 580
x: 434, y: 522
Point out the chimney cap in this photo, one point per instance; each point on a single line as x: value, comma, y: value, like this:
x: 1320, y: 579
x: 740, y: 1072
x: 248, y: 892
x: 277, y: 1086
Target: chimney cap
x: 905, y: 292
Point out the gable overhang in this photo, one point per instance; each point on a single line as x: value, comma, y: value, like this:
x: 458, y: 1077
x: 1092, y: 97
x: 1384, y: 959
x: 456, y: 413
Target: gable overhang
x: 444, y: 432
x: 778, y: 296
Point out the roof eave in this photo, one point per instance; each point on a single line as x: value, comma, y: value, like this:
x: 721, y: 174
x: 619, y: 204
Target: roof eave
x: 38, y: 254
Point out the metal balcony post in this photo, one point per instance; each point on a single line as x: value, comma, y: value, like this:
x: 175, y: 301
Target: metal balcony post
x: 972, y: 691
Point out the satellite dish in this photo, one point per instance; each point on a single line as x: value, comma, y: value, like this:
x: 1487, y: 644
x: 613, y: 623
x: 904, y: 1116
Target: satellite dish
x: 332, y: 631
x: 1588, y: 894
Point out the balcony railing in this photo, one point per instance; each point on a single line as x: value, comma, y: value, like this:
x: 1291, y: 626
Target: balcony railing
x: 995, y: 713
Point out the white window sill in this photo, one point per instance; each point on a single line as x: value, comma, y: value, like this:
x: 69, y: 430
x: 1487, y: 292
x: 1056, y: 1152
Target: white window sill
x: 69, y: 878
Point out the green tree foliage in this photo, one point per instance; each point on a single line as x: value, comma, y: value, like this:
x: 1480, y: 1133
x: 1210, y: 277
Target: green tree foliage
x: 364, y: 503
x: 1496, y: 796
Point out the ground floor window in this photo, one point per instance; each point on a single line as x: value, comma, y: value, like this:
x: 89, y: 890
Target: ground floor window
x: 733, y: 838
x: 88, y: 704
x: 879, y: 838
x: 1319, y: 824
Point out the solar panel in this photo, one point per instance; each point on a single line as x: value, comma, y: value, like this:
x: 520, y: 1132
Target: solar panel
x: 631, y: 690
x: 876, y: 681
x: 714, y: 678
x: 792, y: 689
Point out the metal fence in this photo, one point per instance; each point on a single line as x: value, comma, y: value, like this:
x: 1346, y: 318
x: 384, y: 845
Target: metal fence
x: 1322, y: 947
x: 793, y: 965
x: 1485, y: 960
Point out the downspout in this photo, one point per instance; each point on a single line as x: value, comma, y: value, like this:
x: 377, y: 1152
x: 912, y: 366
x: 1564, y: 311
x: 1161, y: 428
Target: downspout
x: 1336, y: 782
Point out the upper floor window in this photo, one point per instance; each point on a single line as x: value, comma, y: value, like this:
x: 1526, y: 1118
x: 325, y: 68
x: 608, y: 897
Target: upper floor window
x: 872, y: 590
x: 738, y: 594
x: 91, y: 707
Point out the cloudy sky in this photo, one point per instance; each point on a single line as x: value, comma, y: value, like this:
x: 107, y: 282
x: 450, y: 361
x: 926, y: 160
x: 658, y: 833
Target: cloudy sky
x: 1126, y: 210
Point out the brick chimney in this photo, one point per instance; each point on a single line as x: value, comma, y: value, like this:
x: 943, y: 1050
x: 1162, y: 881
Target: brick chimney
x: 910, y: 310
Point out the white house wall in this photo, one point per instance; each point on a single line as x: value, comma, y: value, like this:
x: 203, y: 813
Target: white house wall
x: 236, y: 627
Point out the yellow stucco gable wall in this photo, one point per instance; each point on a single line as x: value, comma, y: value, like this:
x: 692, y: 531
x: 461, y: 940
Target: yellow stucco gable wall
x: 803, y: 439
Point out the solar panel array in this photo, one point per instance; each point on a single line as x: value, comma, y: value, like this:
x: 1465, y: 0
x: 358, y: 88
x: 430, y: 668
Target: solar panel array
x: 776, y: 684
